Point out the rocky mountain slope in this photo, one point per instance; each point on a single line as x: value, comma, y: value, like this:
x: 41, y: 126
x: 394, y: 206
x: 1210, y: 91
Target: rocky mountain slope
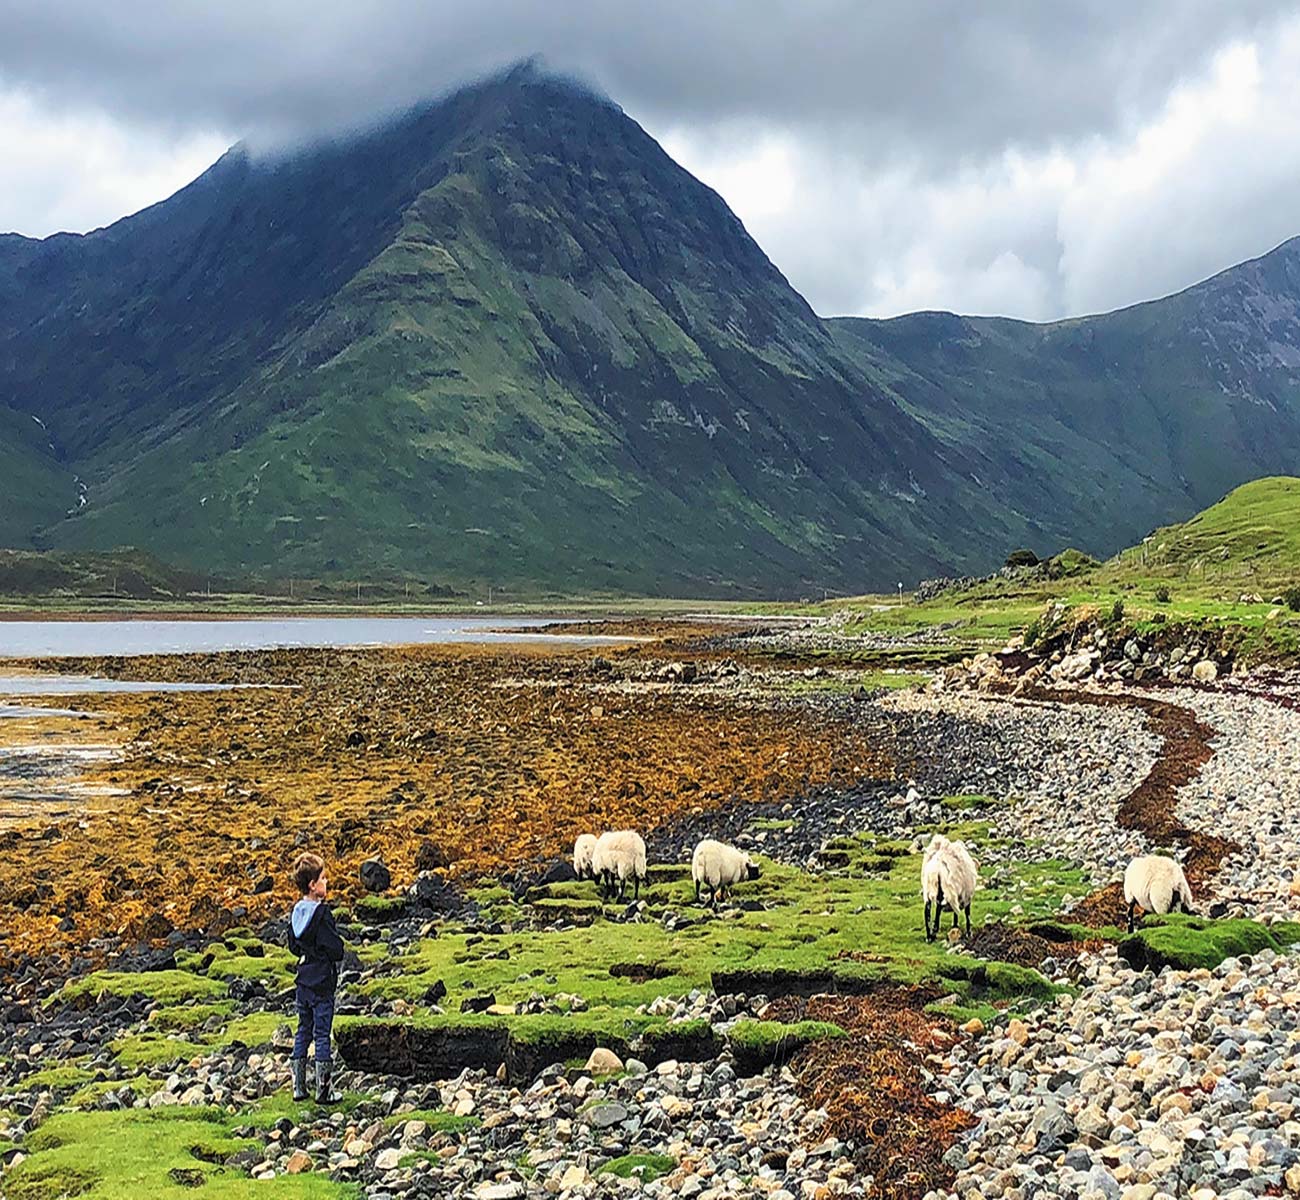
x: 505, y: 339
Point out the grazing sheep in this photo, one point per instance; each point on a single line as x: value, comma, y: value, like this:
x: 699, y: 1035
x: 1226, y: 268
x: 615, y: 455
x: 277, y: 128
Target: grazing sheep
x: 1156, y: 884
x: 719, y: 867
x: 948, y: 873
x: 583, y: 848
x: 618, y: 857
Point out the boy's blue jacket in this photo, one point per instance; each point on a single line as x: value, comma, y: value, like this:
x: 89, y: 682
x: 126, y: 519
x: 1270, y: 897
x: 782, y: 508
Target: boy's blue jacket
x: 314, y: 938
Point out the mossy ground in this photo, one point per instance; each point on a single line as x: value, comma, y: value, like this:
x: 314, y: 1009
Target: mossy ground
x: 857, y: 924
x: 645, y: 1167
x: 1186, y: 943
x: 128, y: 1155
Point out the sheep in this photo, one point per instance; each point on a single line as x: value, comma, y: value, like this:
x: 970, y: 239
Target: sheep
x: 719, y: 867
x: 619, y: 856
x: 1157, y: 885
x: 582, y: 851
x: 948, y: 873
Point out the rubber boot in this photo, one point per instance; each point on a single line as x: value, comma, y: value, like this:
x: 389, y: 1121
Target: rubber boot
x: 300, y: 1092
x: 325, y: 1094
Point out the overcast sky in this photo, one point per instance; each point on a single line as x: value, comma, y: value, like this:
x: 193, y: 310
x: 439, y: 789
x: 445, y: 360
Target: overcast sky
x: 1031, y: 159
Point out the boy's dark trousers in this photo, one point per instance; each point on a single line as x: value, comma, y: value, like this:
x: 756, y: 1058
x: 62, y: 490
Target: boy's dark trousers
x: 315, y: 1019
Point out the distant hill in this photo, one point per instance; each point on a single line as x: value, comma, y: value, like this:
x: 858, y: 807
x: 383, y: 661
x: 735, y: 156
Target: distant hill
x: 1252, y: 535
x: 505, y: 339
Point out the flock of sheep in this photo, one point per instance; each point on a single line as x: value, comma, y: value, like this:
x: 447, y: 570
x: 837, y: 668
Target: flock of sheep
x: 1152, y: 882
x: 615, y: 857
x: 949, y: 875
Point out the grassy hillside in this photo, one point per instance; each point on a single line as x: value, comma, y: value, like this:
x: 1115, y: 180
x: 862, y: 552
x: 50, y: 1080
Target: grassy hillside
x: 35, y: 488
x: 1249, y: 540
x: 1206, y: 571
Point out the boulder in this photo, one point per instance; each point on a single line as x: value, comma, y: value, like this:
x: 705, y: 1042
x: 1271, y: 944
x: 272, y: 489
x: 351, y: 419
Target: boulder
x: 603, y: 1062
x: 1205, y: 671
x: 375, y: 877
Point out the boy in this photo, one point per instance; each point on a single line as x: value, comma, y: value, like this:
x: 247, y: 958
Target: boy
x: 315, y: 939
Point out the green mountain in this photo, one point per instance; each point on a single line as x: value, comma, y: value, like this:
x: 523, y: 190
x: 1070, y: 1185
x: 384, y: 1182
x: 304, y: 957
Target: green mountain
x: 1104, y: 427
x: 505, y: 339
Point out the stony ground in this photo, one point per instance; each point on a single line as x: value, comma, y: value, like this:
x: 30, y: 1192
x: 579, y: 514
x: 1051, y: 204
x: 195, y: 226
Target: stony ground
x: 1137, y: 1086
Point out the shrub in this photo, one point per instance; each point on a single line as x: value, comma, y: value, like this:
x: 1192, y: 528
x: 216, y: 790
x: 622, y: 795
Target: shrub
x: 1162, y: 594
x: 1116, y: 614
x: 1022, y: 558
x: 1292, y: 597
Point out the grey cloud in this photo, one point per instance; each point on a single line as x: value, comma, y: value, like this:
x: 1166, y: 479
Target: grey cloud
x: 902, y: 115
x: 923, y: 75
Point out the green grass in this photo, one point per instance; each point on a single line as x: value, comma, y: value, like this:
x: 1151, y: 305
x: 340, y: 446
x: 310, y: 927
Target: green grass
x: 968, y: 802
x: 377, y: 909
x: 859, y: 922
x: 191, y: 1016
x: 1186, y: 943
x: 645, y: 1167
x: 92, y: 1093
x: 153, y: 1050
x: 128, y: 1155
x: 170, y: 988
x: 58, y: 1078
x: 230, y: 959
x: 437, y: 1119
x: 772, y: 1040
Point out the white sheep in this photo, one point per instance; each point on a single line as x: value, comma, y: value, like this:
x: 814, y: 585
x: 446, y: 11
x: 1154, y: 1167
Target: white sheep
x: 583, y: 848
x: 1156, y: 884
x: 619, y: 856
x: 948, y: 874
x: 719, y: 867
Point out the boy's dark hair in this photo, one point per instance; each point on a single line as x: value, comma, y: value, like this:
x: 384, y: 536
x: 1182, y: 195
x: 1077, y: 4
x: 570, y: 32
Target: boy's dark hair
x: 307, y: 870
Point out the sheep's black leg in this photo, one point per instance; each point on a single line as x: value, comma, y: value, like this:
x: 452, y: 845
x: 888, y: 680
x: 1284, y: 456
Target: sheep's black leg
x: 968, y: 920
x: 636, y: 894
x: 697, y: 891
x: 713, y: 897
x: 930, y: 932
x: 1132, y: 904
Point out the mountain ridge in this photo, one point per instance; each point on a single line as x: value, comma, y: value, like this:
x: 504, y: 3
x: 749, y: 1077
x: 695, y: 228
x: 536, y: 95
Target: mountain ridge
x: 505, y: 337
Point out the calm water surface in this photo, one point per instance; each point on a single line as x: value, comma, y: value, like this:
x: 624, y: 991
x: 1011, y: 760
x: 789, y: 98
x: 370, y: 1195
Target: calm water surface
x: 32, y: 639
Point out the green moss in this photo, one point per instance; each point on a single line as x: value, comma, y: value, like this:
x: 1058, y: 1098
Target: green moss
x: 645, y: 1167
x: 1186, y: 943
x: 92, y: 1093
x: 772, y: 825
x: 230, y: 959
x: 154, y: 1049
x: 253, y: 1029
x: 58, y: 1078
x: 860, y: 922
x: 168, y: 987
x: 966, y: 802
x: 773, y: 1035
x: 127, y: 1155
x: 758, y: 1044
x: 378, y: 909
x: 267, y: 1111
x: 437, y: 1119
x: 191, y: 1016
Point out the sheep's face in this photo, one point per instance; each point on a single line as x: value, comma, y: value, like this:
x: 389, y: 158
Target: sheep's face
x: 937, y: 843
x: 751, y: 868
